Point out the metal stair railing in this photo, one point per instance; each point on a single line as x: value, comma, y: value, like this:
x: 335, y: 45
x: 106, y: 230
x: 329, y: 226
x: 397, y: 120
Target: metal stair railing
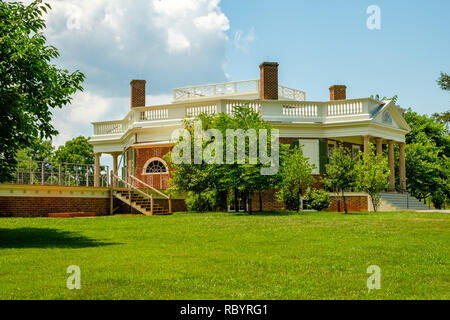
x: 130, y: 187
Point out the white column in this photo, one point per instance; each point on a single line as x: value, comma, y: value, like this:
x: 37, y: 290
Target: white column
x: 391, y: 186
x: 402, y: 166
x: 366, y: 144
x: 97, y: 169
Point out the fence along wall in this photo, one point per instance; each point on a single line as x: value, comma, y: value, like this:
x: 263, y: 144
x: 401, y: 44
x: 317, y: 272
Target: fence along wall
x: 57, y: 174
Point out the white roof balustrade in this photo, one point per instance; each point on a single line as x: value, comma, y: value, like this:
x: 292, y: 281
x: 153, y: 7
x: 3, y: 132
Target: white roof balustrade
x: 247, y: 89
x: 271, y: 110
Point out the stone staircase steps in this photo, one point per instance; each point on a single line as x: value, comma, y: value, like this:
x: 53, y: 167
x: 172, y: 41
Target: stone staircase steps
x: 140, y: 203
x: 403, y: 201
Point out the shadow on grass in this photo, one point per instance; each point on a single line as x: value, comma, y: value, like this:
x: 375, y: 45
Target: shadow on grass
x: 272, y: 213
x: 356, y: 213
x: 300, y: 213
x: 45, y: 238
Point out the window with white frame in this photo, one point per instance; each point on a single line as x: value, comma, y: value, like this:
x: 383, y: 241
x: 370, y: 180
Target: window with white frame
x: 155, y: 166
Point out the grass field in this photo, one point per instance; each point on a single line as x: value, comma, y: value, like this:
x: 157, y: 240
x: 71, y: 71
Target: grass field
x: 227, y: 256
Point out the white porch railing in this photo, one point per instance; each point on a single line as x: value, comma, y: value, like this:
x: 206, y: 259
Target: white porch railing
x: 270, y: 110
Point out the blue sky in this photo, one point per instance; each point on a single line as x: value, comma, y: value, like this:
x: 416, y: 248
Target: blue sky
x: 173, y: 43
x: 324, y: 42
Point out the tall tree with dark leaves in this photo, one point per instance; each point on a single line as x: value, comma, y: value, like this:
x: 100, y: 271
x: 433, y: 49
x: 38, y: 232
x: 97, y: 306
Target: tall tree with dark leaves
x: 31, y: 86
x: 444, y: 81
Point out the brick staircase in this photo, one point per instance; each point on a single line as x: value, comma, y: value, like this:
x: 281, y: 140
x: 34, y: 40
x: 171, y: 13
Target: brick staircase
x: 139, y: 202
x: 402, y: 201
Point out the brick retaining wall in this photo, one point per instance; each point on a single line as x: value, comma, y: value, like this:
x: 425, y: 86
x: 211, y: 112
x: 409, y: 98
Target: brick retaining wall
x: 39, y: 206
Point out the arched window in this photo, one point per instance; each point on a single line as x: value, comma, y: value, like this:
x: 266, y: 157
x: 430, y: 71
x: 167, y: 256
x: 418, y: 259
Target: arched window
x: 156, y: 166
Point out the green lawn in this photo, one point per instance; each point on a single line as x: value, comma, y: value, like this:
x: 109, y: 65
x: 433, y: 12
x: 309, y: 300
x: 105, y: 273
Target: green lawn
x: 227, y: 256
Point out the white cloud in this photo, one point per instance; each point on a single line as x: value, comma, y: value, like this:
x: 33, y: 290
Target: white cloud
x: 177, y: 41
x: 114, y: 40
x: 170, y: 43
x: 242, y: 41
x: 75, y: 120
x: 87, y: 104
x: 213, y: 22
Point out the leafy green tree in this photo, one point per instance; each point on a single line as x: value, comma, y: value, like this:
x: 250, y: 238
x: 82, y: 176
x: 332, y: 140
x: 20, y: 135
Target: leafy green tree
x: 427, y: 158
x: 443, y: 117
x: 378, y: 97
x: 40, y: 150
x: 77, y: 150
x: 243, y: 178
x: 31, y: 84
x: 426, y: 130
x: 444, y: 81
x: 295, y: 178
x: 340, y: 172
x: 426, y: 170
x: 372, y: 175
x: 196, y: 179
x: 77, y: 153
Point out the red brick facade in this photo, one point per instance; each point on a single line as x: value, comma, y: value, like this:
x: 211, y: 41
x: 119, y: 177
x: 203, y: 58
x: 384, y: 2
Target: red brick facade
x: 270, y: 203
x: 143, y: 155
x: 39, y: 206
x: 354, y: 203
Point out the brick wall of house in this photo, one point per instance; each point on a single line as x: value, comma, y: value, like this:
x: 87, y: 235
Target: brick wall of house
x: 158, y: 181
x: 270, y: 203
x: 39, y: 206
x: 178, y: 205
x: 354, y: 203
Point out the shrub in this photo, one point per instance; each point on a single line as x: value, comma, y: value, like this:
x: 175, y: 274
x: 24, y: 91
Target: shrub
x: 291, y: 202
x: 201, y: 202
x: 319, y: 199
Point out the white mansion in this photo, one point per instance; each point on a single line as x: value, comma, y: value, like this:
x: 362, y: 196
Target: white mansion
x: 143, y: 135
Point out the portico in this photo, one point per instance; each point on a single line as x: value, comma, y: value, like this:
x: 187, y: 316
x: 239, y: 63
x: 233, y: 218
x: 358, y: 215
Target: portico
x: 391, y: 160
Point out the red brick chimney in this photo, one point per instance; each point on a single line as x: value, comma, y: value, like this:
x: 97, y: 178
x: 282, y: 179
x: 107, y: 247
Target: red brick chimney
x: 338, y: 92
x: 137, y: 93
x: 269, y: 81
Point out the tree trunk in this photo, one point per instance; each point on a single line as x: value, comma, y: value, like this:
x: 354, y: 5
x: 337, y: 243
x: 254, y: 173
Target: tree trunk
x: 250, y: 205
x: 345, y: 204
x: 200, y: 201
x: 244, y: 200
x: 298, y: 201
x: 373, y: 204
x: 236, y: 203
x: 260, y: 202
